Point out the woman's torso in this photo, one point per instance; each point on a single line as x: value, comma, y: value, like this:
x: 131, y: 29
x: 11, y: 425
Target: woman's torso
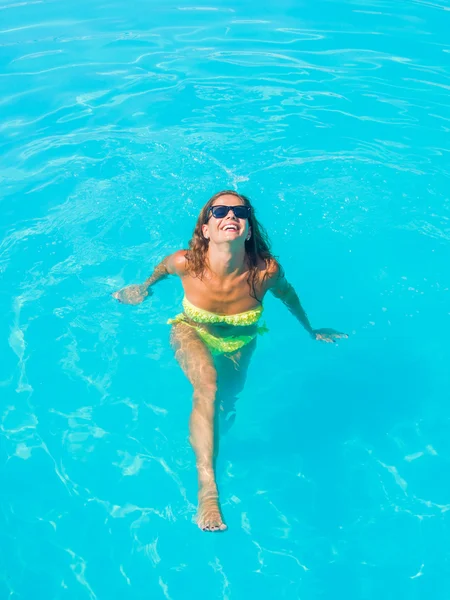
x: 229, y: 295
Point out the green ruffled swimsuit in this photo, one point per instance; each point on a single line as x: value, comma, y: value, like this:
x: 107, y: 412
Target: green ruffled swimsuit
x: 219, y: 345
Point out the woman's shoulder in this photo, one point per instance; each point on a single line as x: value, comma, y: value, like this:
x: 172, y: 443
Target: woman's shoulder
x: 269, y: 267
x: 270, y: 272
x: 176, y: 262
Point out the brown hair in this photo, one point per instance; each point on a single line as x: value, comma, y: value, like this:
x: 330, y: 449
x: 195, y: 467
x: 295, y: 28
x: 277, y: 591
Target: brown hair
x: 257, y: 247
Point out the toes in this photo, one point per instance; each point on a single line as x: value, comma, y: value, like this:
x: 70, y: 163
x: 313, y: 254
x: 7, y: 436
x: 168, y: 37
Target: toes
x: 207, y: 525
x: 210, y: 526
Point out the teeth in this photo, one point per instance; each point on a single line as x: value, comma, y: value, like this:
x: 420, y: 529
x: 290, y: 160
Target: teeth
x: 230, y: 227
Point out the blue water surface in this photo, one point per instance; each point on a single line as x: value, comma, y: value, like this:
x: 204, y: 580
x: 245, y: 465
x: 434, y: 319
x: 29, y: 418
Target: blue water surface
x: 118, y: 120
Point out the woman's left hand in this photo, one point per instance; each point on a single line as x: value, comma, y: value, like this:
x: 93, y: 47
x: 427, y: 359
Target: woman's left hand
x: 327, y: 335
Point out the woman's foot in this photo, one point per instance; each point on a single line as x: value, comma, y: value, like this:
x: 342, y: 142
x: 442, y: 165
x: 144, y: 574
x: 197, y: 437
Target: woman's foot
x: 209, y: 517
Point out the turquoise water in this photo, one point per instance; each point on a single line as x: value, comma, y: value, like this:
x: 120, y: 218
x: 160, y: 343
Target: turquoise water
x: 117, y: 122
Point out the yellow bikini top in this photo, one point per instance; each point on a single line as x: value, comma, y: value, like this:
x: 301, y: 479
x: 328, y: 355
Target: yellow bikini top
x: 198, y: 315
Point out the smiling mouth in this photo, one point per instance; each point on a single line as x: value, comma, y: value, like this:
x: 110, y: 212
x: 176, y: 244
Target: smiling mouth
x: 230, y: 228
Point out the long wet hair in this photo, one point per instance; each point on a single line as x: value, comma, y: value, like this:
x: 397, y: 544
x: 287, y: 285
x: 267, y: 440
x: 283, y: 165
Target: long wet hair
x: 257, y: 247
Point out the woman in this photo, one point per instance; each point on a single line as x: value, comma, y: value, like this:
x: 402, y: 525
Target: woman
x: 225, y: 274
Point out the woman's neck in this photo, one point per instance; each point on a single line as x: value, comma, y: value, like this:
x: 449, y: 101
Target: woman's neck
x: 223, y: 261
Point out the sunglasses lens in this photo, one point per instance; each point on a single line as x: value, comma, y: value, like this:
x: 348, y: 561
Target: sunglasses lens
x: 219, y: 211
x: 241, y: 212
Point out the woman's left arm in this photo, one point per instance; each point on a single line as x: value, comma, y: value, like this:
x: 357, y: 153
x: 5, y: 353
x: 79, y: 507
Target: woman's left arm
x: 284, y: 291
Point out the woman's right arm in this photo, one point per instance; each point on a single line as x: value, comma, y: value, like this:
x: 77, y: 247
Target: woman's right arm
x: 174, y: 264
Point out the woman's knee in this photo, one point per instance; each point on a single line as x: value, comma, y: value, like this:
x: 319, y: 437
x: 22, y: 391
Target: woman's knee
x: 205, y: 379
x: 205, y: 392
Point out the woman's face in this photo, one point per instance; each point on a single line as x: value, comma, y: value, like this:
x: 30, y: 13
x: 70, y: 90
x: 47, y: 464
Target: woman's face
x: 229, y: 228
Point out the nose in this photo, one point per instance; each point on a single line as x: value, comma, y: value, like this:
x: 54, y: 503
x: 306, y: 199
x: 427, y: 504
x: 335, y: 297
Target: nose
x: 231, y: 213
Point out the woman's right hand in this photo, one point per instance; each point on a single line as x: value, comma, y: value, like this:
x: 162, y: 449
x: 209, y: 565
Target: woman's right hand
x: 132, y: 294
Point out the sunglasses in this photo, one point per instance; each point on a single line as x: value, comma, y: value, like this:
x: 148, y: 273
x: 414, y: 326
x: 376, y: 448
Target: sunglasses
x: 220, y: 211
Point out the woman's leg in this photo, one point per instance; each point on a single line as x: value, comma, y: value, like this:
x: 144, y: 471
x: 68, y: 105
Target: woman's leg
x: 232, y: 373
x: 197, y: 363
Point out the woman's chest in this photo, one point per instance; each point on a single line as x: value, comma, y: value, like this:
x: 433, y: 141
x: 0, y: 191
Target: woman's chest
x: 225, y: 297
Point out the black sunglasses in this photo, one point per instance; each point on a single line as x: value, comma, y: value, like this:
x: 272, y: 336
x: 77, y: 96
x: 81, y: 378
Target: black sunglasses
x: 220, y: 211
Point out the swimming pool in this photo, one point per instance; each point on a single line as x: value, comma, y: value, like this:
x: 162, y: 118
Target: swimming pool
x: 117, y: 122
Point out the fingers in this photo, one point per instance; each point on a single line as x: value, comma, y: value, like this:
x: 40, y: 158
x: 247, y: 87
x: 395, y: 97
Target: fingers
x: 326, y: 339
x: 133, y: 294
x: 126, y: 299
x: 330, y: 337
x: 117, y: 296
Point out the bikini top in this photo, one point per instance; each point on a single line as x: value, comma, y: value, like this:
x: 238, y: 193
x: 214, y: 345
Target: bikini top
x: 198, y: 315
